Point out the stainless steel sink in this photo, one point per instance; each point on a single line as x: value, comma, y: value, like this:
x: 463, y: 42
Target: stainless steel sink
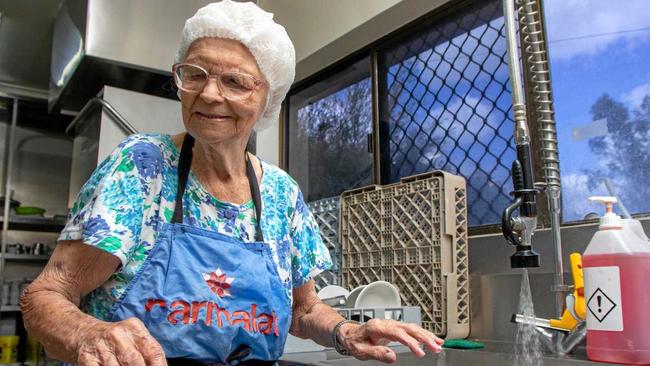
x: 449, y: 357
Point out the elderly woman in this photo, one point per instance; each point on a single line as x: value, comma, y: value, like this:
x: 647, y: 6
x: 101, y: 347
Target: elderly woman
x: 190, y: 249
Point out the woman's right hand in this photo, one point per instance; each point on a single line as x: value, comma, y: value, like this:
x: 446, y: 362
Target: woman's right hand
x: 50, y: 308
x: 126, y: 342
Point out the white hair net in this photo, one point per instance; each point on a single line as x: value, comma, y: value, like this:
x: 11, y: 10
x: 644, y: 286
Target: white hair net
x: 255, y: 29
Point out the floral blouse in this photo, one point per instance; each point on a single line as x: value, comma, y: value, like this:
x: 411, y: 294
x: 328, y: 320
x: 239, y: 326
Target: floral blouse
x: 133, y: 191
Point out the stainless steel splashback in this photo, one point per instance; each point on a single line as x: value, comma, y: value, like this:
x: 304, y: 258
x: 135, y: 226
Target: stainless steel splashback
x: 495, y: 286
x: 122, y: 43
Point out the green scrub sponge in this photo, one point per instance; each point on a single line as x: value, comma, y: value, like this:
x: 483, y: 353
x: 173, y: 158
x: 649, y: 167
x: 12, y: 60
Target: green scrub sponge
x: 462, y: 344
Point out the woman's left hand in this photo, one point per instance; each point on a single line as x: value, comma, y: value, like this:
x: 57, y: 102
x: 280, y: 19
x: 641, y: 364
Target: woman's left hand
x: 370, y: 340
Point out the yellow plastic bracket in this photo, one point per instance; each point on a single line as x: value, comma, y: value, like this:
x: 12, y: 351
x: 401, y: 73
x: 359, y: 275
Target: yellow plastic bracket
x: 568, y: 321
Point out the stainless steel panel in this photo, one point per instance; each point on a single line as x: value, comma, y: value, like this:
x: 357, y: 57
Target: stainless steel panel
x: 495, y: 298
x: 495, y: 287
x: 143, y: 33
x: 84, y: 154
x: 68, y: 44
x: 26, y: 39
x: 127, y: 44
x: 492, y: 355
x: 148, y: 114
x: 98, y: 135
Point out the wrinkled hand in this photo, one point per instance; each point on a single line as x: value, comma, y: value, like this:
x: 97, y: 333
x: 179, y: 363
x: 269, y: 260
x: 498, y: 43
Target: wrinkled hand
x: 126, y: 342
x: 369, y: 340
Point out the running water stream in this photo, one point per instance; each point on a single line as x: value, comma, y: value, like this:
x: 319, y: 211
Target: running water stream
x: 528, y: 348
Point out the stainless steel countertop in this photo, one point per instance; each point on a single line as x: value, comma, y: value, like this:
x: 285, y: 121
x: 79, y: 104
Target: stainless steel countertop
x: 493, y: 354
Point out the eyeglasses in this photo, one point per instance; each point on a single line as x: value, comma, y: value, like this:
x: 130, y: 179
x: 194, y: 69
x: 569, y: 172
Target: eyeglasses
x: 232, y: 85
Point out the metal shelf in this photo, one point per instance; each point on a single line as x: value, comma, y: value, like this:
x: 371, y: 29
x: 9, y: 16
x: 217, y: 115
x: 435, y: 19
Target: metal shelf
x: 34, y: 223
x: 25, y: 257
x: 10, y: 309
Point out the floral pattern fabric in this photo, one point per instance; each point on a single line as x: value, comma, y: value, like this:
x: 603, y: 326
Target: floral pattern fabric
x: 133, y: 191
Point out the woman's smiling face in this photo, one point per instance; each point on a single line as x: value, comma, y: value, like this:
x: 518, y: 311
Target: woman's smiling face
x: 207, y: 115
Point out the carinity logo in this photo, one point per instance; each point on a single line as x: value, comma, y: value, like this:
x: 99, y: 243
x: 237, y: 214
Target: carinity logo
x: 219, y: 283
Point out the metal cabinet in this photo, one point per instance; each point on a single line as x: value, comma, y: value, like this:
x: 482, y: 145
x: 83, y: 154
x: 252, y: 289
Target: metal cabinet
x: 36, y: 157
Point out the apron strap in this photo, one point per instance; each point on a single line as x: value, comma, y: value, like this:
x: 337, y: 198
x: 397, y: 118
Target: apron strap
x: 257, y: 198
x: 184, y: 165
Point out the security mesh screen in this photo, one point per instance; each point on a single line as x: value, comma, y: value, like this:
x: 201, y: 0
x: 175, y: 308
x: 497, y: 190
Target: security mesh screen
x: 445, y: 104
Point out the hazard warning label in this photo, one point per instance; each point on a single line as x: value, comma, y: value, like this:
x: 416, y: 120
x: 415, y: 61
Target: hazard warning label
x: 600, y: 305
x: 603, y: 294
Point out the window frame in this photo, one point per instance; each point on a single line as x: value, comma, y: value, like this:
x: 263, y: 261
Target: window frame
x: 372, y: 52
x: 285, y: 115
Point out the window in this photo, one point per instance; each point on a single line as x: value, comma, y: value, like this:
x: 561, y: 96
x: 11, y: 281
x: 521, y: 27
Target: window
x: 599, y: 55
x: 329, y: 124
x: 443, y: 103
x: 447, y: 107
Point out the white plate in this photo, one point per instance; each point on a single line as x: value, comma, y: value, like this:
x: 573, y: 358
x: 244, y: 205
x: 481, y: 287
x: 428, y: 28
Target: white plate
x: 352, y: 297
x: 379, y: 294
x: 331, y: 291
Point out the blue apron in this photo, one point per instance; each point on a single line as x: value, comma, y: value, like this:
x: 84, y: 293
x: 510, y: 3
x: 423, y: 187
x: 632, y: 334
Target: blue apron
x: 206, y: 297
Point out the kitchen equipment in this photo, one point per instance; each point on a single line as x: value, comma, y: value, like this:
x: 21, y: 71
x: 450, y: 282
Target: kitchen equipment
x: 12, y: 204
x: 6, y: 288
x: 60, y: 218
x: 534, y: 54
x: 379, y: 294
x: 412, y: 234
x: 38, y: 248
x: 519, y: 229
x: 337, y: 301
x: 405, y: 314
x: 333, y: 295
x: 30, y: 210
x: 352, y: 297
x: 14, y: 291
x: 9, y: 348
x: 332, y: 291
x: 326, y: 214
x: 15, y: 248
x: 88, y: 49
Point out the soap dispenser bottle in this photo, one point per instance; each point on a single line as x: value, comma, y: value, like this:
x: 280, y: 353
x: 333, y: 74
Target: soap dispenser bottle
x: 616, y: 267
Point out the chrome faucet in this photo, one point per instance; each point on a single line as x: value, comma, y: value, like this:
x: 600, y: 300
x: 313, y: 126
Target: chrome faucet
x: 518, y: 231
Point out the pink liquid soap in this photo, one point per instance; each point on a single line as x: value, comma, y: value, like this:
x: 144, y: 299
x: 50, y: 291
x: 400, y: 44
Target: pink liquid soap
x: 632, y: 344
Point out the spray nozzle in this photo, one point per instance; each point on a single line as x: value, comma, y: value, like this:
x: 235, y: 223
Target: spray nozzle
x: 609, y: 219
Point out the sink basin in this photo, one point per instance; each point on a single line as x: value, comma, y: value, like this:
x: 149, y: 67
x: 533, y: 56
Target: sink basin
x: 449, y: 357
